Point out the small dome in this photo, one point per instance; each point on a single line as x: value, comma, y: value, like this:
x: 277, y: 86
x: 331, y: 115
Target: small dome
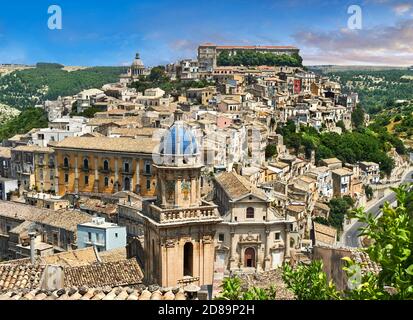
x: 137, y: 62
x: 179, y: 140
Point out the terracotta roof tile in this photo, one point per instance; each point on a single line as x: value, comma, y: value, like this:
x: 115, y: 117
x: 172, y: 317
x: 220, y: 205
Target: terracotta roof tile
x: 119, y: 273
x: 85, y: 293
x: 237, y: 186
x: 64, y: 219
x: 129, y: 145
x: 15, y: 277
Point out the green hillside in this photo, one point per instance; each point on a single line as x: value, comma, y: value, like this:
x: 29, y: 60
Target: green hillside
x: 378, y: 90
x: 27, y: 120
x: 26, y: 88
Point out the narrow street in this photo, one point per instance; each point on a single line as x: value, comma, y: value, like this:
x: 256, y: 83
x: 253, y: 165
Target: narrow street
x: 351, y: 236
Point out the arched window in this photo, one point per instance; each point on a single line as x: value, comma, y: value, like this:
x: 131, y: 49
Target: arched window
x: 85, y: 164
x: 250, y: 213
x: 106, y: 165
x: 106, y: 181
x: 66, y: 162
x: 188, y: 259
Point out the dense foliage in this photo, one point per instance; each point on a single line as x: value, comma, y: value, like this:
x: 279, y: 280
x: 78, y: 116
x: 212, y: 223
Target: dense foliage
x: 391, y: 236
x: 232, y: 290
x: 350, y: 147
x: 309, y: 282
x: 339, y: 209
x: 377, y: 90
x: 405, y: 125
x: 26, y: 88
x: 252, y: 58
x: 368, y: 190
x: 270, y: 151
x: 27, y: 120
x: 357, y: 117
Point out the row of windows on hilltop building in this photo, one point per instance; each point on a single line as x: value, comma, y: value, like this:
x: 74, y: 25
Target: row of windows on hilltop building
x: 107, y: 181
x: 106, y: 169
x: 126, y: 165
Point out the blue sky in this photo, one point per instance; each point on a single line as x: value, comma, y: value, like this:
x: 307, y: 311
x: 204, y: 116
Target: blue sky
x: 110, y: 32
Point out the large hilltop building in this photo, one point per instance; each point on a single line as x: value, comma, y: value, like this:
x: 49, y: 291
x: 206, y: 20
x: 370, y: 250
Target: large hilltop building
x: 208, y: 53
x: 136, y: 70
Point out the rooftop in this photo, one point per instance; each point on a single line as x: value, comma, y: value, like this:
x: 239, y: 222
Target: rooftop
x: 113, y: 274
x: 331, y: 161
x: 342, y: 172
x: 63, y: 219
x: 326, y: 235
x: 127, y: 145
x: 15, y: 277
x: 237, y: 186
x: 208, y: 44
x: 106, y: 293
x: 33, y: 148
x: 5, y: 152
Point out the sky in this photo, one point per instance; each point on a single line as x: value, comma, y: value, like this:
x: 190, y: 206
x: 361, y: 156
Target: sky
x: 111, y: 32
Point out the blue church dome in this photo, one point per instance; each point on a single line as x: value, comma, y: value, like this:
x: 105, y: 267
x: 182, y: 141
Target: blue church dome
x: 179, y: 140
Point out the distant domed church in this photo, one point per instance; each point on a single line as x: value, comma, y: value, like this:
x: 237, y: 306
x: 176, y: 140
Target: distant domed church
x: 136, y: 70
x: 179, y: 226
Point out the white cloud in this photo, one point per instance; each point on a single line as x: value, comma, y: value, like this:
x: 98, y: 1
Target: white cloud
x: 402, y: 8
x: 378, y: 45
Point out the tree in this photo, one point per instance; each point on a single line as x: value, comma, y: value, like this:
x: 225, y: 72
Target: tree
x: 357, y: 117
x: 252, y: 58
x: 158, y: 74
x: 341, y: 125
x: 368, y: 190
x: 309, y: 282
x: 339, y: 209
x: 232, y: 290
x: 270, y: 151
x: 391, y: 236
x: 321, y: 220
x: 27, y: 120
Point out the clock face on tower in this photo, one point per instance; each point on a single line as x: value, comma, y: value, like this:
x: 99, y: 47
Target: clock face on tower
x: 186, y: 189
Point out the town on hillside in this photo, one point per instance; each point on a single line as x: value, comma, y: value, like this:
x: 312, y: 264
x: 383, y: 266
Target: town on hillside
x: 166, y: 183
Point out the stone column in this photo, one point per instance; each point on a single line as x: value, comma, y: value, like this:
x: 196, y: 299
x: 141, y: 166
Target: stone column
x: 201, y: 260
x: 76, y: 175
x: 56, y: 177
x: 96, y: 186
x: 163, y: 189
x: 138, y: 181
x: 267, y: 258
x: 198, y: 188
x: 177, y: 192
x: 287, y: 242
x: 193, y: 191
x: 116, y: 175
x: 232, y: 250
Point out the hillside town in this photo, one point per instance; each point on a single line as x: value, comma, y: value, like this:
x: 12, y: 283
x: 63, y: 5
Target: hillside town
x: 161, y: 194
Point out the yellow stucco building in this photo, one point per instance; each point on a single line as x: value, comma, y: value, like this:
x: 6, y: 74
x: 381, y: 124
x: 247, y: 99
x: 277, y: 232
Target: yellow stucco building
x: 105, y: 165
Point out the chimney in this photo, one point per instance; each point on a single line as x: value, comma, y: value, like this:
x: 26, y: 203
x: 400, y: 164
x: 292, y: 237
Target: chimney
x: 32, y: 236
